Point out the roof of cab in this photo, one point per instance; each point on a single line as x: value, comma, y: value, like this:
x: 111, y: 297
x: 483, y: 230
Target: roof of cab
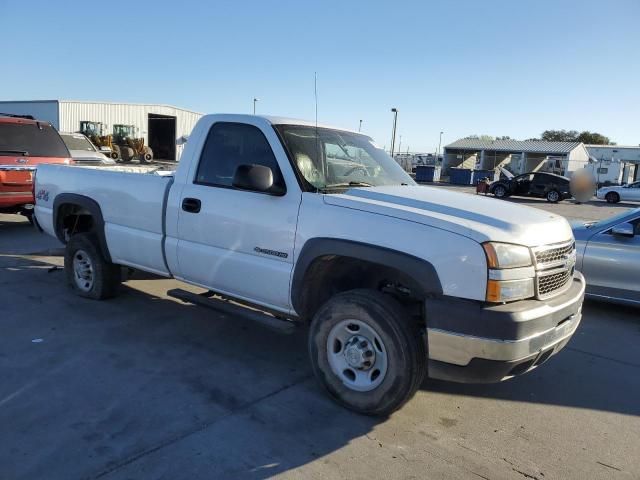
x: 276, y: 120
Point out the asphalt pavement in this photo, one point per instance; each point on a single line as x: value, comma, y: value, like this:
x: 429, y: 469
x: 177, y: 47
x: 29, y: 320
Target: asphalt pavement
x: 146, y: 387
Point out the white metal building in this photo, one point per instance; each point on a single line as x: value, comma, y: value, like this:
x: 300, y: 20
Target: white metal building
x: 617, y: 163
x: 162, y: 126
x: 563, y: 158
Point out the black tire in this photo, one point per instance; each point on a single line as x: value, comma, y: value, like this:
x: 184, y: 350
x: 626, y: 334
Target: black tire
x: 147, y: 156
x: 500, y: 191
x: 401, y: 338
x: 105, y: 276
x: 115, y: 153
x: 612, y: 197
x: 127, y: 154
x: 553, y: 196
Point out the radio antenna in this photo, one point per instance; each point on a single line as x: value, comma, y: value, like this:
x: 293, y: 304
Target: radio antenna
x: 318, y: 152
x: 315, y: 92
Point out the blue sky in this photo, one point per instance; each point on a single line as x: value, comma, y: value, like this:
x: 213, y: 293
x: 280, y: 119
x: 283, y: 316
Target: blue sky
x: 512, y: 67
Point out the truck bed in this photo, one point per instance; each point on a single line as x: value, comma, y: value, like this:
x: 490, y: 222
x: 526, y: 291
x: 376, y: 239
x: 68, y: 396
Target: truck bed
x: 131, y: 201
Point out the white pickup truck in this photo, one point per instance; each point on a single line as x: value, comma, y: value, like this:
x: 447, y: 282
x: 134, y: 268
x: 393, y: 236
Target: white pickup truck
x: 287, y: 223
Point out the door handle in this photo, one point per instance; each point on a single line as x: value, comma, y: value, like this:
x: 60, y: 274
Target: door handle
x: 191, y: 205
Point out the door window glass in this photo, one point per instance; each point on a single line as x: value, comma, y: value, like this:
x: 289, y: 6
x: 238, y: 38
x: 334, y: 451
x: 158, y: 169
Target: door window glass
x: 230, y: 145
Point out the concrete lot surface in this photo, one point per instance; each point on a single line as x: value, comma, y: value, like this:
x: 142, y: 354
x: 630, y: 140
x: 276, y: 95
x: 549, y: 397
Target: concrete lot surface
x: 145, y: 387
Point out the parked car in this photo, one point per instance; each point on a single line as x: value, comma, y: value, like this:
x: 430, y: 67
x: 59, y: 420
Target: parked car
x: 534, y: 184
x: 609, y: 256
x: 24, y: 144
x: 397, y: 281
x: 629, y: 192
x: 83, y: 151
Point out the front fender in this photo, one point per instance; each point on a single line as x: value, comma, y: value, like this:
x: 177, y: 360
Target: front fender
x: 421, y: 271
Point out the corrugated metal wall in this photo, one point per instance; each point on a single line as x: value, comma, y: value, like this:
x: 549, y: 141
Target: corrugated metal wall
x: 46, y: 110
x: 71, y: 113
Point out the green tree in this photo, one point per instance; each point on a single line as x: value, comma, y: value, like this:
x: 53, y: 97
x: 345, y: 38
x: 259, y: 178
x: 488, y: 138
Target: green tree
x: 593, y: 138
x: 559, y: 135
x: 575, y: 136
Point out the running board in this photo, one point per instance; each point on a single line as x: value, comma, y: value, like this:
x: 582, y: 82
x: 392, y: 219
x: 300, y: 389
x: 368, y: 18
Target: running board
x: 209, y: 300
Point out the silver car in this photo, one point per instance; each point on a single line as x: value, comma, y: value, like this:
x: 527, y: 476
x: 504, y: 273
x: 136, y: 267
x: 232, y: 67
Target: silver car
x: 83, y: 151
x: 609, y: 257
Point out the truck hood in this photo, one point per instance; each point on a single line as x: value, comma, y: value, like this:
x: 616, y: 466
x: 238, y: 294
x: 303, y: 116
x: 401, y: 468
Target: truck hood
x: 477, y: 217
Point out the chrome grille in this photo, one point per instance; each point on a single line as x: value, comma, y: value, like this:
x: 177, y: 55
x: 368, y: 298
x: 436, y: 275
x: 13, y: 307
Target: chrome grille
x: 548, y: 284
x: 551, y: 255
x: 554, y: 268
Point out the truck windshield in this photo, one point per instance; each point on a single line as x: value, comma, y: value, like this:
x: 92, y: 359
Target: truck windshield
x: 333, y: 160
x: 30, y: 139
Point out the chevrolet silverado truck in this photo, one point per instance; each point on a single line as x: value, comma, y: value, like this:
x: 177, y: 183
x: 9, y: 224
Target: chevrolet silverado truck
x: 288, y: 222
x: 24, y: 144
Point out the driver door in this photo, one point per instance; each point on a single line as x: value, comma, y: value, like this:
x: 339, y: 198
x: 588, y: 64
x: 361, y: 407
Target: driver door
x: 233, y: 241
x: 540, y: 184
x: 633, y: 192
x: 522, y: 184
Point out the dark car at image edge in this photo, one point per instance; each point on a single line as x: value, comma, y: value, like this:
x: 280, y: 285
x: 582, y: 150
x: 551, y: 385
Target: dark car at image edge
x: 533, y: 184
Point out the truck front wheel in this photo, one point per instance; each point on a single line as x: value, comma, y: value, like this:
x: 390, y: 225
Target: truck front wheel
x: 367, y: 351
x: 87, y: 271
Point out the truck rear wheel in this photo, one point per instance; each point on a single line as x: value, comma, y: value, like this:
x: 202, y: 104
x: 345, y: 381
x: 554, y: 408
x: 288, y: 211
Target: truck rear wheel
x: 87, y: 271
x: 367, y: 352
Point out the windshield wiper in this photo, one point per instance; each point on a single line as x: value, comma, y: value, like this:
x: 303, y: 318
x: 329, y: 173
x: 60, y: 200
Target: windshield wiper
x: 349, y: 184
x: 21, y: 152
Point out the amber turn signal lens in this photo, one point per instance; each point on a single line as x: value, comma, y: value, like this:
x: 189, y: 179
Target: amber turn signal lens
x: 493, y: 291
x: 492, y: 256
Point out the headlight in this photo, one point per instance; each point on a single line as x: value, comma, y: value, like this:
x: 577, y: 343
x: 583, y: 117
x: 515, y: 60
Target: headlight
x: 509, y: 290
x: 506, y: 255
x: 501, y: 256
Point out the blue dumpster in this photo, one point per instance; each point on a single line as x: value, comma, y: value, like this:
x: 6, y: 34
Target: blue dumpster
x: 460, y: 176
x: 482, y: 174
x: 427, y: 173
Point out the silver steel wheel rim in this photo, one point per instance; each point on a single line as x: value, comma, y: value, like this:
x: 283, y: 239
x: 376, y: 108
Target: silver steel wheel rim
x: 500, y: 191
x: 357, y: 355
x: 82, y: 270
x: 553, y: 196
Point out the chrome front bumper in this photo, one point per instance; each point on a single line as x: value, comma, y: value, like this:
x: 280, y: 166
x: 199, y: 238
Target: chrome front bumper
x: 460, y: 356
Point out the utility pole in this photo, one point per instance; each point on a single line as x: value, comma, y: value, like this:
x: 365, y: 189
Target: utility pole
x: 439, y: 145
x: 255, y: 100
x: 393, y: 134
x: 360, y: 126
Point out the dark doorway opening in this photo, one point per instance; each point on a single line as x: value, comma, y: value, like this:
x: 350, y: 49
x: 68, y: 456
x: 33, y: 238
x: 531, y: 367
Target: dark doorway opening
x: 162, y: 136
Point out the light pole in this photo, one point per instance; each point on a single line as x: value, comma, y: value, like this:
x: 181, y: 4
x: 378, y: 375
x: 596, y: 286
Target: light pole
x: 393, y: 134
x: 360, y: 126
x: 255, y: 100
x: 438, y: 152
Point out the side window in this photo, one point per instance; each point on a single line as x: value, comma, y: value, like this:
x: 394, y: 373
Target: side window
x: 230, y: 145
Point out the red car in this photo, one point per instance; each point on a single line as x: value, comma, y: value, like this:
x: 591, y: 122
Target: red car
x: 25, y: 143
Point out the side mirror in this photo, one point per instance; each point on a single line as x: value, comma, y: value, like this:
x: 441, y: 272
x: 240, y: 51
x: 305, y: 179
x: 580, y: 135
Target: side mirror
x: 257, y: 178
x: 623, y: 230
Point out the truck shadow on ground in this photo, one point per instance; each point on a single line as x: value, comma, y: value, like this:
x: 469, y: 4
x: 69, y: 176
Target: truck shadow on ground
x: 146, y: 386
